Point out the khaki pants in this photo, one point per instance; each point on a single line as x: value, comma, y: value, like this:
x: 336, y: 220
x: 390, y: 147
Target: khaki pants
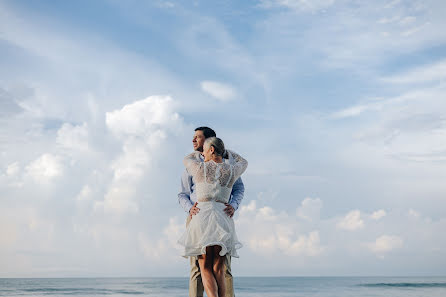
x: 196, y: 288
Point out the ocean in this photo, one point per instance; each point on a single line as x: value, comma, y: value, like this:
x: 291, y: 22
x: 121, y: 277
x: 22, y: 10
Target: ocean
x: 244, y: 287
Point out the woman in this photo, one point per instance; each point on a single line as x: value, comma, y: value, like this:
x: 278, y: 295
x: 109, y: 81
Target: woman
x: 210, y: 234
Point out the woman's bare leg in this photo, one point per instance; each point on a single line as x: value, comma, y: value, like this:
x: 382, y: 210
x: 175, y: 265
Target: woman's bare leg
x: 206, y: 263
x: 219, y: 271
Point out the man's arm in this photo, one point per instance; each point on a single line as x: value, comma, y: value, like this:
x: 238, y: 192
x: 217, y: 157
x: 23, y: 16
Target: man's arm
x: 184, y: 194
x: 238, y: 191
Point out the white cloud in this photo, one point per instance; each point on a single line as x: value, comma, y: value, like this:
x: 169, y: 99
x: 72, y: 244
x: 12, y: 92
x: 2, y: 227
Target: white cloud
x: 386, y: 243
x: 73, y: 137
x: 13, y: 169
x: 8, y: 233
x: 118, y: 199
x: 165, y: 4
x: 141, y: 118
x: 408, y: 126
x: 352, y: 221
x: 298, y: 5
x: 132, y: 163
x: 45, y: 168
x: 413, y: 213
x: 384, y: 104
x: 356, y: 110
x: 357, y: 36
x: 85, y: 193
x: 91, y: 202
x: 392, y: 3
x: 310, y: 209
x: 12, y: 175
x: 252, y: 206
x: 435, y: 72
x: 267, y: 232
x: 142, y: 127
x: 165, y: 247
x: 221, y: 91
x: 304, y: 244
x: 376, y: 215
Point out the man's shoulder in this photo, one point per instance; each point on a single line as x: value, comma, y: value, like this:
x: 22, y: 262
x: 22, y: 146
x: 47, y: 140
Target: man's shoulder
x: 186, y: 174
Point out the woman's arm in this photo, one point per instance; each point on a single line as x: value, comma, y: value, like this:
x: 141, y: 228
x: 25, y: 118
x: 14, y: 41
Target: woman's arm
x: 240, y: 164
x: 193, y: 163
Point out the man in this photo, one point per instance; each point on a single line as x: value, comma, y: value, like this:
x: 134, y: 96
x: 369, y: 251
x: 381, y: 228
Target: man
x: 188, y: 201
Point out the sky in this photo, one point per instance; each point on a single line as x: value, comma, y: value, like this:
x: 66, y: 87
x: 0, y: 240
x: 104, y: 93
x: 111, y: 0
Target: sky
x: 338, y: 105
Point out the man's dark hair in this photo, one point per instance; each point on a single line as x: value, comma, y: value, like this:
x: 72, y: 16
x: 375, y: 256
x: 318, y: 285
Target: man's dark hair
x: 207, y: 132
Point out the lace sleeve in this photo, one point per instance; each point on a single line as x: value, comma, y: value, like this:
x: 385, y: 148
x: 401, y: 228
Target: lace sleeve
x: 193, y: 163
x: 240, y: 164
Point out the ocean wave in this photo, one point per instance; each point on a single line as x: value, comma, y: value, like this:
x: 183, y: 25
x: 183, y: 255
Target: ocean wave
x: 80, y: 291
x: 405, y: 285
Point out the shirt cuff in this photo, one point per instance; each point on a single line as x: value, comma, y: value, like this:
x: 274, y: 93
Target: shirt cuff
x: 188, y: 207
x: 233, y: 204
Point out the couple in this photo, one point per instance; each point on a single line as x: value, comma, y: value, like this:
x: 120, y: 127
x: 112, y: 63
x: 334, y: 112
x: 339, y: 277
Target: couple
x: 211, y: 190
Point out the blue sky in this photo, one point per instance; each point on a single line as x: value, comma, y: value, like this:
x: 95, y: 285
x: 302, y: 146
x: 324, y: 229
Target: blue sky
x: 339, y: 106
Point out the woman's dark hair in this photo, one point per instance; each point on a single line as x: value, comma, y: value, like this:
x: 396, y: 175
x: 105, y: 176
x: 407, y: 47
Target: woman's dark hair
x: 207, y: 132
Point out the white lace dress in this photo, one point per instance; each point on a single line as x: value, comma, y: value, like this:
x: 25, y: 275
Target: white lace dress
x: 213, y: 186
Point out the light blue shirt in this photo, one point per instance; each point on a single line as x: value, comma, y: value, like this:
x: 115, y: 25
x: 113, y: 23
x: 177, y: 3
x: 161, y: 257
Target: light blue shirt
x: 187, y: 196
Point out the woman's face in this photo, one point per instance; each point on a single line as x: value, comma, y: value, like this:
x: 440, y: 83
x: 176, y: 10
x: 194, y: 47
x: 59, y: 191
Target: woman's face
x: 208, y: 150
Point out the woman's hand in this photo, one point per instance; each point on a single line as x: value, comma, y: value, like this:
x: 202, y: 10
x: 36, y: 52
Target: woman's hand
x: 194, y: 210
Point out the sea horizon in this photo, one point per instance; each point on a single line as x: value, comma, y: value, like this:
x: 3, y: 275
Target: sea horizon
x: 241, y: 276
x: 247, y: 286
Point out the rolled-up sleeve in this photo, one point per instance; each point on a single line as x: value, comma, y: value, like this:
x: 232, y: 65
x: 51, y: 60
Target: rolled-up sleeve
x: 238, y: 191
x: 184, y: 194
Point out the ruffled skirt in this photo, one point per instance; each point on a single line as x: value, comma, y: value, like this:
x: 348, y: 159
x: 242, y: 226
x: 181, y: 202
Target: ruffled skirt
x: 211, y: 226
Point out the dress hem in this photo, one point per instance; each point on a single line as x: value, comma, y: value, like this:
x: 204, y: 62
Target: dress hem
x: 224, y: 250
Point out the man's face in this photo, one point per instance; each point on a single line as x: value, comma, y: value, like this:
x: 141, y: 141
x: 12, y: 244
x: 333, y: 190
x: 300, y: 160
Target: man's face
x: 198, y: 140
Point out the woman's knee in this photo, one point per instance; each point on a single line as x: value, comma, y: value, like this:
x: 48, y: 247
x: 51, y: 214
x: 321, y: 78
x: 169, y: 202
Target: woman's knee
x: 218, y: 267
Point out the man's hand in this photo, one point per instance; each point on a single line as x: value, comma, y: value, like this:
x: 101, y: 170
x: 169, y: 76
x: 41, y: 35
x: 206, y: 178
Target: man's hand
x: 194, y: 210
x: 229, y: 210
